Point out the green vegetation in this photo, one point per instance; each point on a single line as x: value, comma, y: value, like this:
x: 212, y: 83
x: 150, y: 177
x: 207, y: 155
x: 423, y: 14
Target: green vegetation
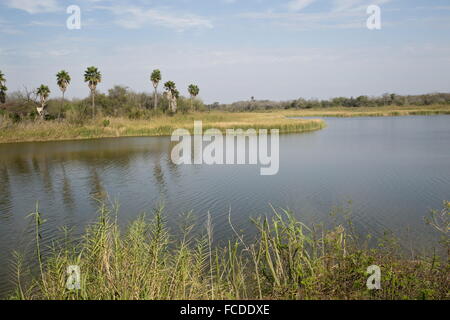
x: 193, y: 91
x: 29, y: 116
x: 286, y: 260
x: 43, y: 92
x: 63, y: 81
x: 93, y: 77
x: 388, y: 111
x: 172, y: 95
x: 78, y: 126
x: 3, y: 88
x: 155, y: 78
x: 386, y: 100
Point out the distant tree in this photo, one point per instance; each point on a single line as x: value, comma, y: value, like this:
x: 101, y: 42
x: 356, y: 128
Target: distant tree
x: 63, y: 81
x: 155, y: 79
x: 93, y: 77
x: 386, y: 99
x: 43, y: 92
x: 3, y: 88
x: 172, y: 95
x: 362, y: 101
x: 169, y: 86
x: 193, y: 91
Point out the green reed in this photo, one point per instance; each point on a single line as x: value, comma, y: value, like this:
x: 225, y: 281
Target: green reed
x: 286, y: 260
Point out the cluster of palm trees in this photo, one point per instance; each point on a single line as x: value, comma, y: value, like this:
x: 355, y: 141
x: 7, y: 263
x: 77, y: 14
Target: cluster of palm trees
x: 3, y: 88
x: 171, y: 92
x: 93, y: 77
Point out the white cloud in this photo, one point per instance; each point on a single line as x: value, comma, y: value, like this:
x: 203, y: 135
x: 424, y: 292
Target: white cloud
x: 356, y: 5
x: 340, y: 5
x: 135, y: 18
x: 34, y: 6
x: 297, y: 5
x: 343, y: 14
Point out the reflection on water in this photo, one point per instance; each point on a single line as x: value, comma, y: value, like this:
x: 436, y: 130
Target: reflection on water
x: 393, y: 169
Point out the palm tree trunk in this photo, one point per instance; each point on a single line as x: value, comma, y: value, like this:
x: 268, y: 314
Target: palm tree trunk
x: 62, y: 106
x: 156, y: 99
x: 43, y: 110
x: 191, y: 105
x: 93, y: 103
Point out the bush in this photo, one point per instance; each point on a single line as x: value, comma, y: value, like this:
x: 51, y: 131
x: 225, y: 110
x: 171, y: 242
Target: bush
x: 77, y: 114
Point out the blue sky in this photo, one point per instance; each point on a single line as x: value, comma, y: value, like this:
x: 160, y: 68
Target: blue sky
x: 233, y: 49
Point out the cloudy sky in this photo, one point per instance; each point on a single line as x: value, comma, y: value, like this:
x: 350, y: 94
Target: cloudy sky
x: 233, y: 49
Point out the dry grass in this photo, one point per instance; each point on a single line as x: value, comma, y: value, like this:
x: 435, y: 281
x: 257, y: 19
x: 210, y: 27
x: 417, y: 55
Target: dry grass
x: 158, y: 126
x: 371, y: 112
x: 165, y: 125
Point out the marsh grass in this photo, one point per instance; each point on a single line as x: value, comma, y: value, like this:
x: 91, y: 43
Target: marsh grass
x: 160, y: 125
x: 286, y: 260
x: 164, y: 125
x: 389, y: 111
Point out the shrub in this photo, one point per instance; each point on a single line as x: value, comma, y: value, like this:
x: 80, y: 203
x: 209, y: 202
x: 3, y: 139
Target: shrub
x: 77, y: 114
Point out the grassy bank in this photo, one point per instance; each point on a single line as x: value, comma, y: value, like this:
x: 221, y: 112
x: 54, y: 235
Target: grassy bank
x: 157, y: 126
x: 389, y: 111
x: 105, y: 127
x: 287, y: 260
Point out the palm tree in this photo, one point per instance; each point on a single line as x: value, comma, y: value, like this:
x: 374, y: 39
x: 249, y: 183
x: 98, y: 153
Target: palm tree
x: 155, y: 79
x: 43, y: 92
x: 3, y: 88
x: 2, y: 78
x: 93, y: 77
x: 193, y: 91
x: 169, y: 86
x: 63, y: 81
x: 172, y: 95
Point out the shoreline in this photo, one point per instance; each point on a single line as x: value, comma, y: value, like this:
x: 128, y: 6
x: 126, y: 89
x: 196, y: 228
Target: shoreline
x: 373, y: 112
x: 287, y: 121
x: 52, y: 131
x: 138, y: 136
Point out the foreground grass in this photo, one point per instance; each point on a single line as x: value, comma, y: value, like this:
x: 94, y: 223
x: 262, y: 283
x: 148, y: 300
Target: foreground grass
x: 287, y: 260
x: 158, y: 126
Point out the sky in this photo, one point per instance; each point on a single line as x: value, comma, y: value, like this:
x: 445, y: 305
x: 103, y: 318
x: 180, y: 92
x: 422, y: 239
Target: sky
x: 232, y: 49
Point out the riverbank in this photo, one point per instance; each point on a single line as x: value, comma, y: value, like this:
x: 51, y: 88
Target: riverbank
x: 388, y: 111
x: 157, y: 126
x: 287, y: 260
x: 162, y: 125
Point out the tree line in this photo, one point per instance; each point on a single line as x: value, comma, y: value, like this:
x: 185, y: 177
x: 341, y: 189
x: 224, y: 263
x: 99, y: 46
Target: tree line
x: 388, y: 99
x: 92, y: 76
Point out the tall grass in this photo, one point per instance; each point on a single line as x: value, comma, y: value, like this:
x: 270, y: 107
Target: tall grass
x: 158, y: 126
x: 388, y: 111
x: 163, y: 125
x: 287, y: 260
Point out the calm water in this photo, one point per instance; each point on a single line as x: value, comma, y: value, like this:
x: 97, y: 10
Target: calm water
x: 394, y: 170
